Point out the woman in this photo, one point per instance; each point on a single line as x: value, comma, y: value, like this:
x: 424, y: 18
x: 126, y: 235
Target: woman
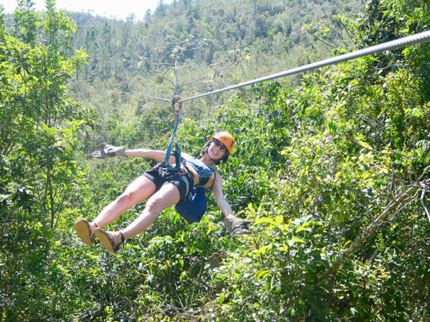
x: 164, y: 189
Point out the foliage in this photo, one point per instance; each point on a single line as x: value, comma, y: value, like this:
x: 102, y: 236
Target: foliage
x: 315, y: 167
x: 39, y: 178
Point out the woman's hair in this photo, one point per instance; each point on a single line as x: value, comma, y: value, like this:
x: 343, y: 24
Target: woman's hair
x: 224, y: 159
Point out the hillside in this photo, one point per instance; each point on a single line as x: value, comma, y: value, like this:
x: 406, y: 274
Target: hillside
x: 217, y: 45
x: 267, y: 29
x: 332, y: 167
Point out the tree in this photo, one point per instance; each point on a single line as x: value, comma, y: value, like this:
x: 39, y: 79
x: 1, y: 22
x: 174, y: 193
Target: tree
x: 38, y: 131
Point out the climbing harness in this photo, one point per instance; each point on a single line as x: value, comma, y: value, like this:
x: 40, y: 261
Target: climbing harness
x: 193, y: 207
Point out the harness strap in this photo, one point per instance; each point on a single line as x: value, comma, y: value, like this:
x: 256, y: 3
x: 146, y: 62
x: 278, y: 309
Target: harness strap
x: 192, y: 171
x: 187, y: 183
x: 195, y: 175
x: 214, y: 180
x: 177, y: 153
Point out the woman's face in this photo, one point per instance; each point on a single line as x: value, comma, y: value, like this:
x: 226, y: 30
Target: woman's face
x: 217, y: 150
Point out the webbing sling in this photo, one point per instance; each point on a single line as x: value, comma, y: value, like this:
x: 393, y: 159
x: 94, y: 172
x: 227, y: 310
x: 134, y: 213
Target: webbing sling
x: 177, y: 153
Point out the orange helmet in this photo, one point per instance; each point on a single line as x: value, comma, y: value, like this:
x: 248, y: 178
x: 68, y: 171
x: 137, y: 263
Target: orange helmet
x: 226, y: 139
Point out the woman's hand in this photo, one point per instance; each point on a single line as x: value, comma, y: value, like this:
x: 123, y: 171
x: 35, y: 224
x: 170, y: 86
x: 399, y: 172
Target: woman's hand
x: 237, y: 225
x: 108, y: 151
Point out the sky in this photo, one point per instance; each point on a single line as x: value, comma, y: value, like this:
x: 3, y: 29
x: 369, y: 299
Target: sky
x: 108, y: 8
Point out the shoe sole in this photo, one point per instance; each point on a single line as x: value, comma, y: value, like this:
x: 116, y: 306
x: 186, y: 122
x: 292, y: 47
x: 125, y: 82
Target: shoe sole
x: 106, y: 240
x: 83, y: 230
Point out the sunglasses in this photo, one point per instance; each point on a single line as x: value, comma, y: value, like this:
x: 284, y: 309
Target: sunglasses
x: 222, y: 147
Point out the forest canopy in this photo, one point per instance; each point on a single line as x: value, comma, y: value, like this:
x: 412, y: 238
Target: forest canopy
x: 331, y: 166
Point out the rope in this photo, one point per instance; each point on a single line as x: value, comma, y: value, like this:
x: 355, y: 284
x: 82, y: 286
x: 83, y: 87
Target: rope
x: 402, y: 42
x: 178, y: 114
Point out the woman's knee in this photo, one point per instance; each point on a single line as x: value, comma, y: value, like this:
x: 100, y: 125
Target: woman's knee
x: 154, y: 206
x: 127, y: 198
x: 166, y: 197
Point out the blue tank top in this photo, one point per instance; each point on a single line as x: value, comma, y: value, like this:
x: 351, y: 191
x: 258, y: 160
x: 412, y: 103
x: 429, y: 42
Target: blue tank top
x: 204, y: 171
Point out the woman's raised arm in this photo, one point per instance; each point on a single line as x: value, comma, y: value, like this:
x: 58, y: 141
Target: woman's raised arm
x: 222, y: 204
x: 110, y: 151
x: 149, y: 154
x: 234, y: 224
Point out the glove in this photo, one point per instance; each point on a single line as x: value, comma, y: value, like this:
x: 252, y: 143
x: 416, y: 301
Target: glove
x: 236, y: 225
x: 108, y: 151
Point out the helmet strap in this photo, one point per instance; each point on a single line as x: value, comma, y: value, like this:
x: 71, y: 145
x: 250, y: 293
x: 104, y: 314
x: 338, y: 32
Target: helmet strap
x: 207, y: 152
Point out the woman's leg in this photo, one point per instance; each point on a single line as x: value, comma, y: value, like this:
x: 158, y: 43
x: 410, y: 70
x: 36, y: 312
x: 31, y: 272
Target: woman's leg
x: 165, y: 198
x: 139, y: 190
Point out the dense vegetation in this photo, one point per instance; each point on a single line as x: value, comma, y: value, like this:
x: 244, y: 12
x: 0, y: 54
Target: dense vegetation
x: 331, y: 166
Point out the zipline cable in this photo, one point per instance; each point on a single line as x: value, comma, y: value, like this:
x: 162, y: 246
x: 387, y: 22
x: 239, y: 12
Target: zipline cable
x: 402, y: 42
x: 158, y: 98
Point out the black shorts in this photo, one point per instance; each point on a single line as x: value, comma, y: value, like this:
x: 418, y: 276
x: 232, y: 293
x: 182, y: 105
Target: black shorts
x: 183, y: 182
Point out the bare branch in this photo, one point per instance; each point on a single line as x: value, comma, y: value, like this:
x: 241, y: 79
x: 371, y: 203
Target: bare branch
x: 346, y: 29
x: 423, y: 204
x: 234, y: 62
x: 424, y: 172
x: 325, y: 42
x: 194, y: 81
x: 166, y: 77
x: 368, y: 232
x: 337, y: 34
x: 411, y: 199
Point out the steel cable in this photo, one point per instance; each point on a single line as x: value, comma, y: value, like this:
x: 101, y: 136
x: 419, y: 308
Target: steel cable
x: 158, y: 98
x: 402, y: 42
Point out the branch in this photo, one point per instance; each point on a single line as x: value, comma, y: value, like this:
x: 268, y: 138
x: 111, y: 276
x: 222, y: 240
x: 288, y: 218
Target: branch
x: 184, y: 51
x: 424, y: 172
x: 386, y: 153
x: 206, y: 76
x: 338, y: 35
x: 422, y: 202
x: 368, y: 232
x: 166, y: 77
x: 328, y: 44
x: 411, y: 199
x: 223, y: 68
x: 346, y: 29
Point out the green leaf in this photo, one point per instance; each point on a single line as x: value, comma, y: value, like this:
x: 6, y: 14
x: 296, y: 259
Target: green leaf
x: 262, y: 273
x: 265, y: 220
x: 309, y: 223
x: 262, y: 250
x: 221, y: 298
x: 324, y: 262
x: 300, y: 229
x: 279, y: 220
